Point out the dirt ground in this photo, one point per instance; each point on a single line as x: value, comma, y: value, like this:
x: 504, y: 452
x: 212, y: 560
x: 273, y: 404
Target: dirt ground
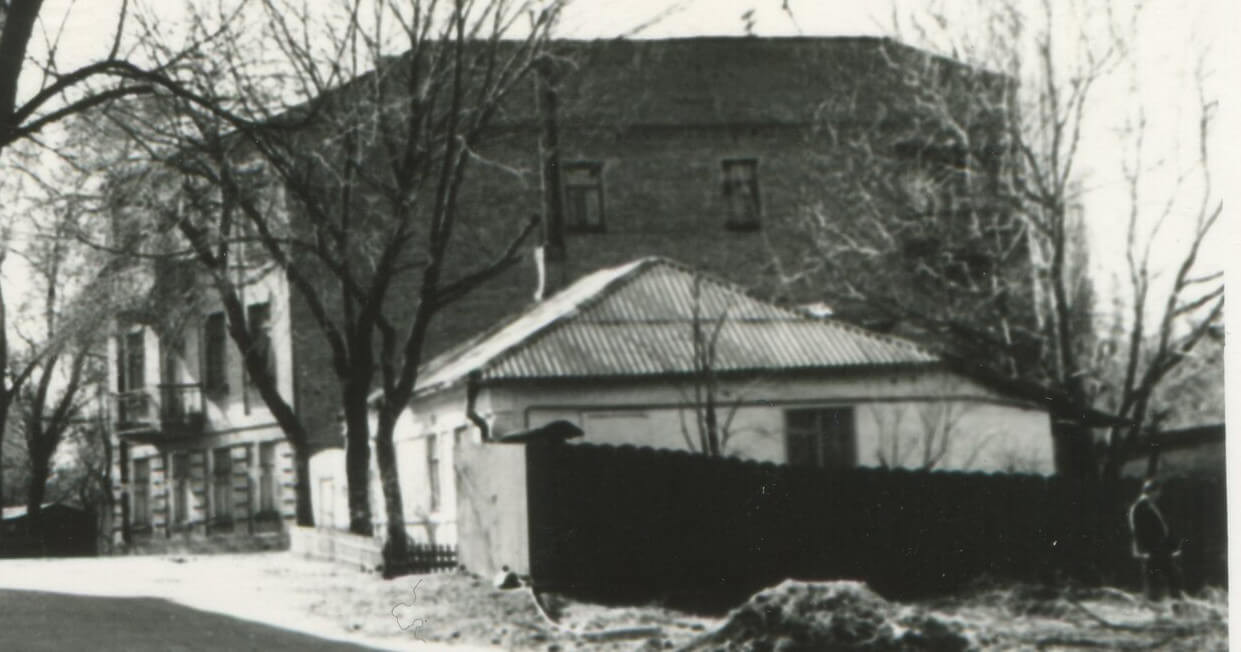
x: 466, y: 612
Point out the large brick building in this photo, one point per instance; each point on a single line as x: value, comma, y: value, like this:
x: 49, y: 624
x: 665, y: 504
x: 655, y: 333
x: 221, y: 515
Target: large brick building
x: 700, y: 150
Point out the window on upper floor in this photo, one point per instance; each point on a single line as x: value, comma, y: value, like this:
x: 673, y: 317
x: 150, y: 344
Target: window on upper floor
x: 741, y: 196
x: 583, y: 195
x: 215, y: 341
x: 821, y: 437
x: 133, y: 403
x: 131, y: 365
x: 258, y: 317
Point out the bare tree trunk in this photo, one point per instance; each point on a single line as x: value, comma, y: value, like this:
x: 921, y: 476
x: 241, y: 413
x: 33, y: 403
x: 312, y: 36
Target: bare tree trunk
x: 357, y: 458
x: 301, y: 487
x: 396, y: 547
x: 39, y: 471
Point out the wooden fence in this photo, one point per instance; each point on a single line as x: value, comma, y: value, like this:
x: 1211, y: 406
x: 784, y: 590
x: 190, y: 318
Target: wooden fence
x: 367, y: 552
x: 626, y: 523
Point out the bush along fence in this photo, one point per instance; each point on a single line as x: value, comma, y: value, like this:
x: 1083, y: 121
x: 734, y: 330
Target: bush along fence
x: 638, y: 524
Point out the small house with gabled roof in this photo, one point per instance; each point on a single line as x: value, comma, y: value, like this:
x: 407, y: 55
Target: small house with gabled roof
x: 639, y: 354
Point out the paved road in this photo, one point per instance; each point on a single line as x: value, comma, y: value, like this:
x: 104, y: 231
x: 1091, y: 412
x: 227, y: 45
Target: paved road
x: 34, y: 621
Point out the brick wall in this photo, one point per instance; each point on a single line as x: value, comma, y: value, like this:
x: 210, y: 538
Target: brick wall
x: 660, y: 118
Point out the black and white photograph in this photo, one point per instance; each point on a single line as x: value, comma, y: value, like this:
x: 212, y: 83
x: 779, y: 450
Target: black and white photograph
x: 577, y: 325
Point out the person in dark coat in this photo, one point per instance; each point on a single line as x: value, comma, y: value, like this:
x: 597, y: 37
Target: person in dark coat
x: 1153, y: 544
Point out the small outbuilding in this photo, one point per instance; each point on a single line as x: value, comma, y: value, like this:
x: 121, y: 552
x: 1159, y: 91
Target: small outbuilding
x: 651, y: 353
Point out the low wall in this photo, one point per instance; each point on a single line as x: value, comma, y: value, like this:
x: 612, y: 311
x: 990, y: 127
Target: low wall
x: 334, y: 545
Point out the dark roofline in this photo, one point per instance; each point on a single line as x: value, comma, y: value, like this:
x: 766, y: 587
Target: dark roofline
x: 1058, y: 404
x: 1213, y: 433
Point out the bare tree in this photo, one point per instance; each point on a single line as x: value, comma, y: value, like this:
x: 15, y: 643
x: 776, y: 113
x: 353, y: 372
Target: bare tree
x: 961, y: 218
x: 369, y: 153
x: 30, y: 48
x: 56, y: 329
x: 37, y: 92
x: 925, y: 435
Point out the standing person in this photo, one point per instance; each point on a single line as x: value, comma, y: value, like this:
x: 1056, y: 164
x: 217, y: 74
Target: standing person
x: 1153, y: 544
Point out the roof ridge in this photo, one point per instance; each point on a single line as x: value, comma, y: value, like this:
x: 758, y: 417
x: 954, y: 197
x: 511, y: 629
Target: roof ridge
x: 635, y: 266
x: 459, y: 351
x: 725, y: 283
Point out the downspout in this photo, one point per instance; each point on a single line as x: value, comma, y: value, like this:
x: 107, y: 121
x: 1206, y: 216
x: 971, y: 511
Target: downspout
x: 471, y: 395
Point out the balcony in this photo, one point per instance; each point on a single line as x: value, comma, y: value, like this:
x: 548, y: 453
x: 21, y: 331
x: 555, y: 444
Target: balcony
x: 171, y: 411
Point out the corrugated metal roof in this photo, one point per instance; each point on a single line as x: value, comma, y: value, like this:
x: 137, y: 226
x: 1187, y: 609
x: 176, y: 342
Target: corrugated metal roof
x: 638, y: 319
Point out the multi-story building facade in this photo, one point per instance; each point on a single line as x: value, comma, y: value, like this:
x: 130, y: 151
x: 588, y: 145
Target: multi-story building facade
x: 199, y: 451
x: 706, y: 151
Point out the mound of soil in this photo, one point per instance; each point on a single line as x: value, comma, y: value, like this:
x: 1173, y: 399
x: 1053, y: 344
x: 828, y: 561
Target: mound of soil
x: 830, y: 616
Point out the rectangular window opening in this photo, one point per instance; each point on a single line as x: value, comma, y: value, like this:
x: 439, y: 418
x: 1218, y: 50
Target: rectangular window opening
x: 821, y: 437
x: 215, y: 341
x: 267, y: 478
x: 583, y: 195
x: 741, y: 193
x: 258, y: 317
x: 222, y: 485
x: 181, y: 488
x: 133, y: 405
x: 142, y: 493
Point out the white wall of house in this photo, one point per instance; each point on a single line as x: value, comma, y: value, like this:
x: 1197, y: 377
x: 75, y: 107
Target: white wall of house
x: 895, y: 416
x: 430, y: 506
x: 969, y: 427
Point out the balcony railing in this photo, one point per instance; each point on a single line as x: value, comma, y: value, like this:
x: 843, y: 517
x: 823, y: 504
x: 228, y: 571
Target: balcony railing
x: 181, y: 409
x: 134, y: 410
x: 172, y: 410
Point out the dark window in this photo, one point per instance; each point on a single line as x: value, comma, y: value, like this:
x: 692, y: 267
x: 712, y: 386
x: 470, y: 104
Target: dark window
x: 215, y: 336
x: 822, y: 437
x: 267, y: 477
x: 258, y: 316
x: 741, y: 193
x: 133, y: 403
x: 181, y: 487
x: 583, y: 196
x: 222, y: 485
x: 142, y: 492
x: 133, y: 368
x: 433, y: 470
